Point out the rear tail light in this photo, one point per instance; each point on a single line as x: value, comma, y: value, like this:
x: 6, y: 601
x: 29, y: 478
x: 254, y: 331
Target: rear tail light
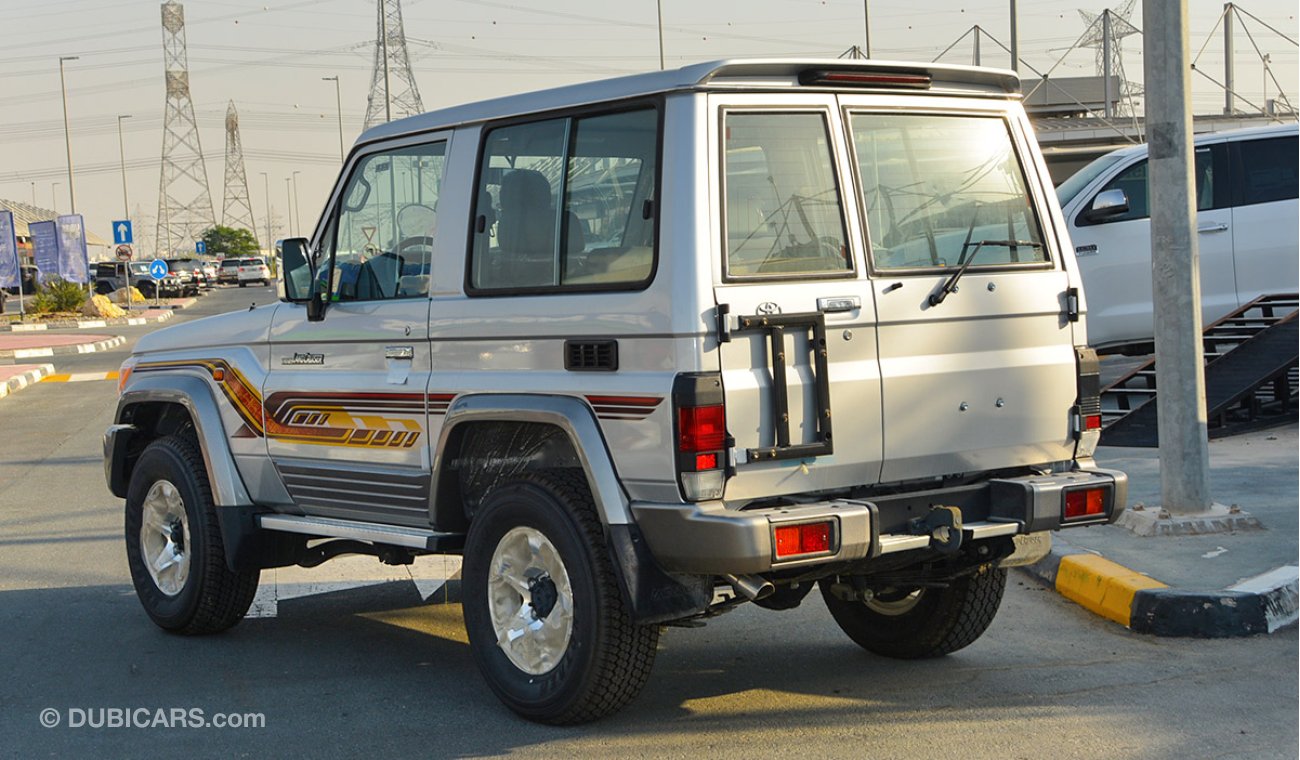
x: 701, y: 434
x: 791, y: 541
x: 1086, y: 504
x: 1087, y: 410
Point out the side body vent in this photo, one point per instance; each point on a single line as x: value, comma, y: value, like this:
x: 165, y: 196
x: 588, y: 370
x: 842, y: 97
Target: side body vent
x: 591, y: 355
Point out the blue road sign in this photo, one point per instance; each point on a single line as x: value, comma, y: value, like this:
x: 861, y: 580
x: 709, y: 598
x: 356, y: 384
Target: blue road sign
x: 122, y: 232
x: 200, y: 246
x: 157, y: 269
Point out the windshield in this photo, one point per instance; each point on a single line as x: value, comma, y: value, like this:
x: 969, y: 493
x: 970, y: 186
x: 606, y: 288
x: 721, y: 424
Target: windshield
x: 1075, y: 183
x: 936, y: 185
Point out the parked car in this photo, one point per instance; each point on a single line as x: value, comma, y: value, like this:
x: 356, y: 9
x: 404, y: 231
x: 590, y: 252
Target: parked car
x: 27, y: 278
x: 624, y: 419
x: 191, y: 273
x: 111, y: 276
x: 228, y: 274
x: 1246, y: 223
x: 253, y: 270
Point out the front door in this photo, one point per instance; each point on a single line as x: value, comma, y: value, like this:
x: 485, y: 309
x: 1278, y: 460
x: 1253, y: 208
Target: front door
x: 346, y: 397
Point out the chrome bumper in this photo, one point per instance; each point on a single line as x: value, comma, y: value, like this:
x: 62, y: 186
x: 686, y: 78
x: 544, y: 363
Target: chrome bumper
x: 708, y: 538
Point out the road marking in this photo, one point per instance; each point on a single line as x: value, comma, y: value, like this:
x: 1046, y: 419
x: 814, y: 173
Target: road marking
x: 80, y: 377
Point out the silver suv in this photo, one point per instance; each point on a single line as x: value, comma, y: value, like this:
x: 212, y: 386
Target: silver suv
x: 640, y: 351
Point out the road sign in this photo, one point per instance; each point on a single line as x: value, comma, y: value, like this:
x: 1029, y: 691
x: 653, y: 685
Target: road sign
x: 122, y: 232
x: 200, y: 247
x: 124, y: 253
x: 157, y: 269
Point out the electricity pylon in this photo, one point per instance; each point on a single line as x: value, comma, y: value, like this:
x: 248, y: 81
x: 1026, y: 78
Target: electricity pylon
x: 184, y: 201
x: 393, y: 93
x: 237, y: 210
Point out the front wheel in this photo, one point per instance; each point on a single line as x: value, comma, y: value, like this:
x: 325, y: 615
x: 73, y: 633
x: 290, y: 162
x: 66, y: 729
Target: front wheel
x: 916, y: 623
x: 546, y: 619
x: 174, y: 547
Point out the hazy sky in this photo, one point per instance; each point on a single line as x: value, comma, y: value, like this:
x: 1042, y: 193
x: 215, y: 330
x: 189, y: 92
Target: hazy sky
x: 269, y: 58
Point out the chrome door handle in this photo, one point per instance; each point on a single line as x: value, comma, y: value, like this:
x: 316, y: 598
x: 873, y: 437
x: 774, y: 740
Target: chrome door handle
x: 399, y: 352
x: 1220, y: 227
x: 838, y: 303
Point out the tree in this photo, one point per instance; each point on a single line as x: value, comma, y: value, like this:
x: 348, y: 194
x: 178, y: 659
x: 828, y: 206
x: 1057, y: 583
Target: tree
x: 230, y: 242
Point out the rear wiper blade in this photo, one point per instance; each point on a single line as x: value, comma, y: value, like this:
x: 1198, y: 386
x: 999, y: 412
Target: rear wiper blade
x: 950, y: 286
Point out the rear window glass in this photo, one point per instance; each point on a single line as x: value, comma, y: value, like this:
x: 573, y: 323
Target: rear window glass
x: 1268, y: 170
x: 941, y: 188
x: 783, y: 210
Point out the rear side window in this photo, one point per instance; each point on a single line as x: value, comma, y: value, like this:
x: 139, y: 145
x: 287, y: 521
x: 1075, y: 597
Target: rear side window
x: 567, y: 204
x: 1267, y: 170
x: 783, y: 210
x: 941, y: 188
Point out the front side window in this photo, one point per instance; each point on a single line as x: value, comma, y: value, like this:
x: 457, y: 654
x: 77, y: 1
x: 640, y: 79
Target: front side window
x: 567, y: 204
x: 783, y: 210
x: 1134, y: 182
x: 383, y: 234
x: 939, y: 189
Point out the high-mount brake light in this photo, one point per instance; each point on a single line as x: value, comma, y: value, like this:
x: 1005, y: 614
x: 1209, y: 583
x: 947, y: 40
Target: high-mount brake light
x: 802, y: 539
x: 911, y: 80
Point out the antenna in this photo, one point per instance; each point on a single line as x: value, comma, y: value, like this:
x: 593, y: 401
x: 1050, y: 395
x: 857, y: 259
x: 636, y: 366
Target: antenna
x: 184, y: 201
x: 237, y: 210
x: 393, y: 93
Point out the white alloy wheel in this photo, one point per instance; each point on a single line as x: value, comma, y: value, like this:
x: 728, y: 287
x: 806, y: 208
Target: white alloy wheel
x: 530, y: 600
x: 165, y: 537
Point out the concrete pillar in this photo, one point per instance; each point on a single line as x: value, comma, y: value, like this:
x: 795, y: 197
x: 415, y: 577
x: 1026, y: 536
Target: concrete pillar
x: 1175, y: 261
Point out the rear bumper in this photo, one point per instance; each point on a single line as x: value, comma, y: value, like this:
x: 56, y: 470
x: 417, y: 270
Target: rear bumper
x: 708, y: 538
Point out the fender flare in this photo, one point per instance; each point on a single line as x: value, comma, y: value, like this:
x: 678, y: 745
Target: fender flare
x: 196, y: 397
x: 567, y: 413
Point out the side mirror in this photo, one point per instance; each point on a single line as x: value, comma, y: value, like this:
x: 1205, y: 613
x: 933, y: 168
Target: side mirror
x: 1107, y: 204
x: 295, y: 269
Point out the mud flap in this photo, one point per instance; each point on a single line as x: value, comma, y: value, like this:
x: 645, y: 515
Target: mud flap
x: 652, y: 594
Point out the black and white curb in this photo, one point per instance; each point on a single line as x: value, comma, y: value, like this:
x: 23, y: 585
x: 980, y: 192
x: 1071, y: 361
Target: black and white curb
x: 85, y: 324
x: 30, y: 377
x: 76, y: 348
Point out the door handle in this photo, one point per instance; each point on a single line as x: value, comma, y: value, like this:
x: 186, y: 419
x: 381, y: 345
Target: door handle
x: 1220, y: 227
x: 838, y: 303
x: 399, y: 352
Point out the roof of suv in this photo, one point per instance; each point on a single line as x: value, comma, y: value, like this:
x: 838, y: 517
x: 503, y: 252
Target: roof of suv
x: 747, y: 74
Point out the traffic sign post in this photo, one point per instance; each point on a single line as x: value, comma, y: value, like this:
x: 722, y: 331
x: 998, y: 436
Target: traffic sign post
x: 122, y: 232
x: 157, y: 270
x: 124, y: 256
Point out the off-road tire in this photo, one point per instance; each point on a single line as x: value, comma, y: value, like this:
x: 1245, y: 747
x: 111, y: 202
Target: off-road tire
x: 213, y: 598
x: 608, y: 658
x: 942, y: 621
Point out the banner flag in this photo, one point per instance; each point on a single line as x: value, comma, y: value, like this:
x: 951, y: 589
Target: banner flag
x: 74, y: 262
x: 45, y: 248
x: 9, y: 267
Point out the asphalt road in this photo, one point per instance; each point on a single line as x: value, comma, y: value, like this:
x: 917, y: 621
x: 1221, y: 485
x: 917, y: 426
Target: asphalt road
x: 377, y: 670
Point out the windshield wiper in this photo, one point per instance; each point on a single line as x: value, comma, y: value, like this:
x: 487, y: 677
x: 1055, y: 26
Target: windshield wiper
x: 950, y: 286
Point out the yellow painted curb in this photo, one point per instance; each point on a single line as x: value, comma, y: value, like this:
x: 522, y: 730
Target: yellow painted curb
x: 1101, y: 586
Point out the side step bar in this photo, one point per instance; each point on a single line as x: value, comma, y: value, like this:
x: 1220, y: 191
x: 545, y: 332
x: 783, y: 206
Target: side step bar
x: 325, y: 527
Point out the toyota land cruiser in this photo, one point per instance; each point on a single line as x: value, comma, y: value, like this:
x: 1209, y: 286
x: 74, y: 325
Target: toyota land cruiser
x: 639, y: 351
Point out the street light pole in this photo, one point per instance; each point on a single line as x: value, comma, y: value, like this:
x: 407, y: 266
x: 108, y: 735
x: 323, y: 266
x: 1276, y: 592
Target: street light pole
x: 54, y: 196
x: 288, y: 212
x: 67, y: 136
x: 338, y: 103
x: 266, y: 183
x: 121, y: 151
x: 297, y: 218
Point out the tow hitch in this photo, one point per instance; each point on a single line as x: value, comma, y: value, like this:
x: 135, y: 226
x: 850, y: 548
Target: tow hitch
x: 943, y: 525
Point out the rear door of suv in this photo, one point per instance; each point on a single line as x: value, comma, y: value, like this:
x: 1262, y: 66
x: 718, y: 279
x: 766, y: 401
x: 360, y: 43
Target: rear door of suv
x: 978, y: 364
x: 799, y: 364
x: 1264, y: 215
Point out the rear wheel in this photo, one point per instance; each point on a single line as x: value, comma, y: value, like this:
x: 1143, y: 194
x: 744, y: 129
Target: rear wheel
x: 546, y: 619
x: 916, y: 623
x: 173, y: 543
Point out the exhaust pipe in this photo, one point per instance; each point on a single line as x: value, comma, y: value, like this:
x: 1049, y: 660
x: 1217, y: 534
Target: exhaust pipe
x: 751, y: 587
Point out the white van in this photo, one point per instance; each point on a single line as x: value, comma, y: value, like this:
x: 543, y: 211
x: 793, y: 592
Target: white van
x: 1246, y: 220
